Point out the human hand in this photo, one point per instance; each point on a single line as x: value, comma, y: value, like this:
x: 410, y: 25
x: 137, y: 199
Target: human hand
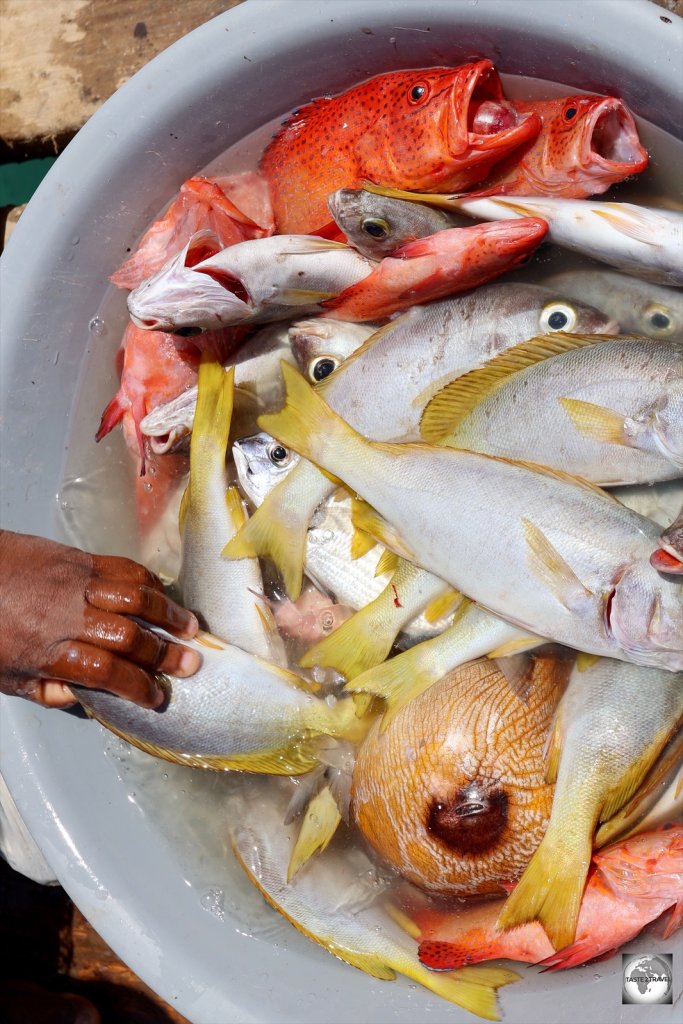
x: 66, y: 618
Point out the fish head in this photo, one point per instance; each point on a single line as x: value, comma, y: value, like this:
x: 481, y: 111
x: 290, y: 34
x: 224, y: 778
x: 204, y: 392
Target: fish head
x: 184, y: 297
x: 586, y: 138
x: 644, y: 614
x: 376, y: 225
x: 441, y: 128
x: 667, y: 422
x: 320, y: 345
x: 261, y: 463
x: 310, y: 618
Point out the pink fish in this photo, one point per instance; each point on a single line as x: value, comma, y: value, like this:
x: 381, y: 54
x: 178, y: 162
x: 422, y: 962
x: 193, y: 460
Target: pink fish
x: 630, y: 884
x: 234, y: 208
x: 446, y: 263
x: 310, y: 618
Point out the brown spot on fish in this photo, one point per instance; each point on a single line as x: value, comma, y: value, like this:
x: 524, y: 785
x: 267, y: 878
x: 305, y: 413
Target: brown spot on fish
x: 472, y: 821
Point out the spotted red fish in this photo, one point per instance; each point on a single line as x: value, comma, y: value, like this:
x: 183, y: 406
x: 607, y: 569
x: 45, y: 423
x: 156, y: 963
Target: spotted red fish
x: 234, y: 208
x: 432, y: 129
x: 586, y: 144
x: 630, y: 884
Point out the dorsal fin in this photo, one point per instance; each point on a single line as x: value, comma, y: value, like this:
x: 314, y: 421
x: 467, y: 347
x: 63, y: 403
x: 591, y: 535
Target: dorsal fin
x: 449, y: 407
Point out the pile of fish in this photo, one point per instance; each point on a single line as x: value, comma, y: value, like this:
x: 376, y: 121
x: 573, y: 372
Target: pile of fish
x: 431, y: 525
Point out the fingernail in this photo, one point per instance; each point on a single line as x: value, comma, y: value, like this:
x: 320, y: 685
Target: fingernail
x: 189, y: 663
x: 190, y: 624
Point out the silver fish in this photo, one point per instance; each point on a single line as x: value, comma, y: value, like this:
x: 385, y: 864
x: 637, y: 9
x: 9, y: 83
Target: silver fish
x: 320, y: 345
x: 640, y: 307
x: 612, y: 723
x: 377, y: 225
x: 408, y: 360
x: 609, y: 411
x: 260, y: 280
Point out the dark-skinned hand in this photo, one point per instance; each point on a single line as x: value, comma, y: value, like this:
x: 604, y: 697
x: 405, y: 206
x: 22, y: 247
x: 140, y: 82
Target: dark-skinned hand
x: 65, y: 617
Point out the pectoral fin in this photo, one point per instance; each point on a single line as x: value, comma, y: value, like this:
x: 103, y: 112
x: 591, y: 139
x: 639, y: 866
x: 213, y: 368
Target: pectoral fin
x: 632, y: 779
x: 388, y: 563
x: 366, y: 518
x: 631, y: 221
x: 596, y: 422
x: 551, y: 569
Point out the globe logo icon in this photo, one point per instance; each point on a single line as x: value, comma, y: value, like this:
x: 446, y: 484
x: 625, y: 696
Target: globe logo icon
x: 648, y: 979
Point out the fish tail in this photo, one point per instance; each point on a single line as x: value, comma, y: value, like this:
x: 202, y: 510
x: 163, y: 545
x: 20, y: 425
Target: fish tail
x: 361, y: 642
x: 341, y: 721
x: 306, y: 423
x: 211, y: 420
x: 551, y: 888
x: 399, y: 679
x: 472, y: 988
x: 112, y: 415
x: 320, y: 822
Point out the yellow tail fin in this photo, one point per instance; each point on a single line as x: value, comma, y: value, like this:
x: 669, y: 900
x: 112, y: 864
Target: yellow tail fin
x: 320, y: 822
x: 211, y: 421
x: 360, y: 643
x: 551, y: 888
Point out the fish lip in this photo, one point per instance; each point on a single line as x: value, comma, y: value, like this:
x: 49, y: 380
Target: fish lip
x: 484, y: 80
x: 611, y: 133
x: 146, y: 324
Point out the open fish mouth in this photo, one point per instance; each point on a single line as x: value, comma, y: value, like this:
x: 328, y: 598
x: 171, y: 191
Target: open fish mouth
x: 481, y: 116
x: 612, y: 137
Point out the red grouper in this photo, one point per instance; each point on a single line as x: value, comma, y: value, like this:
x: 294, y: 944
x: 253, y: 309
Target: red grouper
x: 429, y: 129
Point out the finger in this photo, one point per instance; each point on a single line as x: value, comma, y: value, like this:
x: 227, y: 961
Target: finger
x: 145, y: 602
x: 85, y: 665
x: 125, y: 636
x: 116, y: 568
x: 50, y: 693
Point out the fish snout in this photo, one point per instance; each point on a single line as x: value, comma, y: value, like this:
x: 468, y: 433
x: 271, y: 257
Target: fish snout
x: 613, y: 137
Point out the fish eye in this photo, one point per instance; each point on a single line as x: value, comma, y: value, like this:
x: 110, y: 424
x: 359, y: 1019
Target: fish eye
x: 418, y: 92
x: 188, y: 332
x: 570, y: 112
x: 375, y: 227
x: 279, y: 455
x: 321, y: 367
x: 658, y: 321
x: 557, y: 316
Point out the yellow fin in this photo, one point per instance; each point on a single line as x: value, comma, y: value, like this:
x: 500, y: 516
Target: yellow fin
x: 212, y: 418
x: 449, y: 407
x: 550, y: 567
x: 403, y: 921
x: 361, y: 541
x: 632, y: 221
x: 515, y: 647
x: 366, y: 518
x: 550, y: 890
x: 183, y: 510
x: 319, y: 825
x: 431, y: 198
x: 442, y: 605
x: 632, y: 779
x: 235, y: 507
x: 398, y: 680
x: 278, y: 528
x: 388, y: 562
x: 358, y: 644
x: 305, y: 423
x: 297, y: 758
x: 600, y: 424
x: 303, y: 296
x: 585, y: 661
x: 553, y: 750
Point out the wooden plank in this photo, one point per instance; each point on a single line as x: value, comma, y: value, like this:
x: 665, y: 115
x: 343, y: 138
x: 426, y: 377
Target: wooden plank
x: 61, y: 59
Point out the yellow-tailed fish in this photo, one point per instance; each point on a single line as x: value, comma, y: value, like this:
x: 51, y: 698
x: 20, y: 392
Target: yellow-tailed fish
x: 337, y: 901
x: 473, y: 634
x: 610, y: 411
x: 382, y: 388
x: 640, y: 307
x: 237, y: 712
x: 416, y: 602
x: 211, y: 512
x: 545, y: 551
x: 612, y: 723
x: 453, y: 794
x: 366, y: 639
x: 643, y: 241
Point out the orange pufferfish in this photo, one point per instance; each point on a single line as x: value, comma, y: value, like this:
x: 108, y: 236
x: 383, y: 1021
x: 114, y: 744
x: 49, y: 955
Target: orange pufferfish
x: 452, y: 794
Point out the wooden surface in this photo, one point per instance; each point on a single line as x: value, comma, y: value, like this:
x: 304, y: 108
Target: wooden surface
x: 61, y: 59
